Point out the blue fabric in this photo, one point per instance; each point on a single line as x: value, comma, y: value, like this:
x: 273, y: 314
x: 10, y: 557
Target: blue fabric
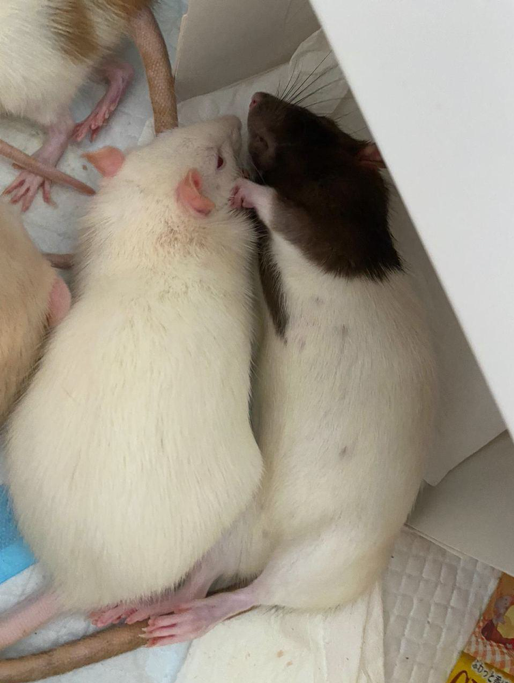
x: 15, y: 556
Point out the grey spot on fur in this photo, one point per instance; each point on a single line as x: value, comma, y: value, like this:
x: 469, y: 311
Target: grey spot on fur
x: 343, y: 451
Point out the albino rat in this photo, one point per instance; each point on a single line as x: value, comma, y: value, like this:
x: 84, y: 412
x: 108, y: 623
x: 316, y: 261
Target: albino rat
x: 32, y: 297
x: 131, y: 451
x: 48, y: 49
x: 344, y: 383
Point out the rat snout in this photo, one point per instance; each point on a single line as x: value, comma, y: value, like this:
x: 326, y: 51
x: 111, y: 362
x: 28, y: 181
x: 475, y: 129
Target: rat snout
x: 256, y: 98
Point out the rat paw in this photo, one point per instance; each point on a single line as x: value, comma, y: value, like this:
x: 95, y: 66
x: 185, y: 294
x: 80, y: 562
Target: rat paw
x: 189, y: 620
x: 94, y: 122
x: 111, y: 615
x: 25, y: 188
x: 241, y: 195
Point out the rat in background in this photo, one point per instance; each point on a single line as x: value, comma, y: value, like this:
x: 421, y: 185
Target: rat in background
x: 32, y: 299
x: 48, y: 49
x: 145, y: 454
x: 345, y: 384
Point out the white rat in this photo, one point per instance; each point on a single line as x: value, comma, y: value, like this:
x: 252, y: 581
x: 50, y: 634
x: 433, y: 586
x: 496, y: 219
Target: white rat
x: 131, y: 452
x: 344, y: 383
x: 48, y: 49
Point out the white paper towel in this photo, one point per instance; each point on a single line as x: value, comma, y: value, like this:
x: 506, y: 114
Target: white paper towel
x: 344, y: 646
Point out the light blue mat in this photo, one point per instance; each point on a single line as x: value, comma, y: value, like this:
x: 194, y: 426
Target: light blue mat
x: 14, y: 554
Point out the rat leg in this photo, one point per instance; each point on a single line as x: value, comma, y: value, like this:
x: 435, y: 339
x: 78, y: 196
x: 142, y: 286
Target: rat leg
x: 24, y: 619
x: 118, y: 76
x: 196, y: 586
x: 27, y: 184
x: 195, y: 619
x: 315, y: 573
x: 249, y: 195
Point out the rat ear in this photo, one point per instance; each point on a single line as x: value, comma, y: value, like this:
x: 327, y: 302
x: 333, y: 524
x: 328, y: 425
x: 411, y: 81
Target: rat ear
x: 188, y: 194
x: 370, y: 156
x: 107, y: 160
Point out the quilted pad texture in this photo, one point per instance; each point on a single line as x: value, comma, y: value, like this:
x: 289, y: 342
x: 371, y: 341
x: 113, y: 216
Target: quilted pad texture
x: 432, y: 601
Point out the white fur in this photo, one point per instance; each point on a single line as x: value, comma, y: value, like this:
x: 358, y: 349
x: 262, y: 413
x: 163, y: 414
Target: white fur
x: 343, y: 417
x: 345, y: 414
x: 132, y: 450
x: 38, y: 79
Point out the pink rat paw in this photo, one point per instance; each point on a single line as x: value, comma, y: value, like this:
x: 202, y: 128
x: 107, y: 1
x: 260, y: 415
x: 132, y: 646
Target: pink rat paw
x: 111, y: 615
x: 119, y: 76
x: 191, y: 620
x: 96, y: 120
x: 241, y: 197
x: 25, y: 188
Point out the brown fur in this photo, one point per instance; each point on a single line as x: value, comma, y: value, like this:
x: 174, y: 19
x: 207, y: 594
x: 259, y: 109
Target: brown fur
x: 331, y: 201
x: 72, y: 23
x: 26, y: 280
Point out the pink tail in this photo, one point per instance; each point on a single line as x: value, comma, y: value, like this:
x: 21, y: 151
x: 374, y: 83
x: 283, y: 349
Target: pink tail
x: 26, y: 617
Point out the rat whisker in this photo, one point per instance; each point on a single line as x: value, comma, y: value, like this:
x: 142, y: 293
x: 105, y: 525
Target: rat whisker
x: 309, y: 75
x: 283, y: 96
x: 301, y: 90
x: 294, y: 84
x: 256, y: 169
x: 330, y: 99
x: 359, y: 130
x: 314, y: 92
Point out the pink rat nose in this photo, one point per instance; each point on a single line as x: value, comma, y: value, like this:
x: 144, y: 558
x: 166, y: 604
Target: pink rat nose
x: 256, y: 98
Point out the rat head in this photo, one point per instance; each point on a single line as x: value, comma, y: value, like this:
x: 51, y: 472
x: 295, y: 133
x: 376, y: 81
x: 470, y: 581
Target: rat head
x: 172, y: 188
x: 331, y: 201
x: 287, y: 141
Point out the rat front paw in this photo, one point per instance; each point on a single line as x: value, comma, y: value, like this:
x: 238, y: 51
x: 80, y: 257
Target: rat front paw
x: 242, y: 195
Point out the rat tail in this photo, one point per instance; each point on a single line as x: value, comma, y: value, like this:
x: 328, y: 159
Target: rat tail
x: 95, y: 648
x: 25, y: 618
x: 39, y: 168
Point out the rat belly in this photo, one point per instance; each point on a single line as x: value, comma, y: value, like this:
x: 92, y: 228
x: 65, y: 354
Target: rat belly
x: 129, y: 457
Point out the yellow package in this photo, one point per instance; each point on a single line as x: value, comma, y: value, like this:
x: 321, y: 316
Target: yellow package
x: 489, y: 653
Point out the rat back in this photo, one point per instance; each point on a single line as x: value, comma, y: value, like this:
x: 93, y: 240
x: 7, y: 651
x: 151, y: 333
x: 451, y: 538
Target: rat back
x: 25, y: 284
x: 345, y: 405
x: 48, y: 48
x: 132, y: 452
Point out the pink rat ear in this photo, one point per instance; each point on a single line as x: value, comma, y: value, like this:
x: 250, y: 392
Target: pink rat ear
x: 107, y: 160
x: 188, y: 194
x: 370, y: 156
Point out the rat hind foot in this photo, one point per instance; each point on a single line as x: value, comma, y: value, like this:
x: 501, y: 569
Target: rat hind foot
x: 112, y: 615
x: 25, y: 188
x: 195, y: 619
x: 119, y: 75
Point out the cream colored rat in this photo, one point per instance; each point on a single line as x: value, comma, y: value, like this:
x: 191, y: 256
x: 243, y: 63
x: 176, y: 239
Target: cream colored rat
x: 131, y: 452
x: 48, y: 49
x: 32, y: 298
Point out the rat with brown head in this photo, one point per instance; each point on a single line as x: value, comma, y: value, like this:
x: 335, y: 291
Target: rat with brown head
x: 48, y: 50
x: 144, y: 455
x: 344, y: 391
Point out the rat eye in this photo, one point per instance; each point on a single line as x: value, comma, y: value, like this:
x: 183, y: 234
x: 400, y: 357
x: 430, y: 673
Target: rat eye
x: 261, y: 141
x: 220, y: 162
